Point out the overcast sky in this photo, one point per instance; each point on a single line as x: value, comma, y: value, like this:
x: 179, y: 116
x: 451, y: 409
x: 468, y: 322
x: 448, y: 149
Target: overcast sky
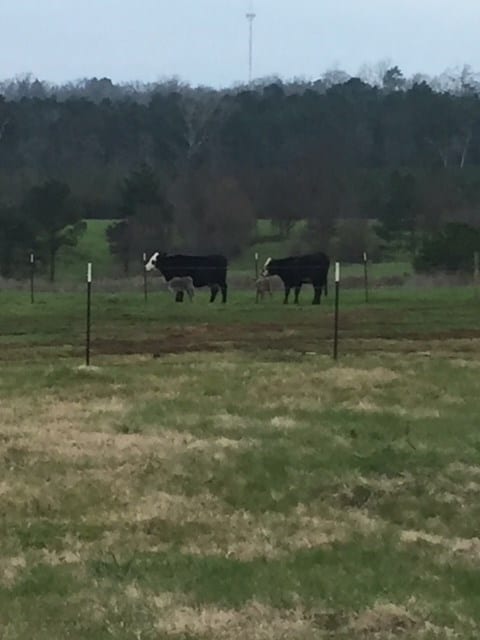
x: 206, y: 41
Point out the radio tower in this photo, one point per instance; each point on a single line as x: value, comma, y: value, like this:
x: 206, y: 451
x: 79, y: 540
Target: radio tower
x: 250, y: 17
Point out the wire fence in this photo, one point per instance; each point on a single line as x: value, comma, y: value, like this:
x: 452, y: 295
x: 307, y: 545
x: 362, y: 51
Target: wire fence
x: 237, y: 281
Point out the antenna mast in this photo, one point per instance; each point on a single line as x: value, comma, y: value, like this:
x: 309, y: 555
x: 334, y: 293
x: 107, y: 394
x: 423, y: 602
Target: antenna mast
x: 250, y: 15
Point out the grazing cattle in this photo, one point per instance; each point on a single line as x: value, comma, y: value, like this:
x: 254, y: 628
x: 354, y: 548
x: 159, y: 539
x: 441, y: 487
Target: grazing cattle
x: 298, y: 270
x: 184, y: 285
x: 205, y: 271
x: 262, y: 287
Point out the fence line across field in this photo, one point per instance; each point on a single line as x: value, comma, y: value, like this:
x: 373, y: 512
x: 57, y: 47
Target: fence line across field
x: 240, y: 280
x: 336, y: 315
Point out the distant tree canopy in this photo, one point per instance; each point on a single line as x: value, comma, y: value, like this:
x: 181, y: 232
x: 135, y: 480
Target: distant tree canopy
x: 54, y: 219
x: 192, y: 168
x: 147, y: 218
x: 16, y: 236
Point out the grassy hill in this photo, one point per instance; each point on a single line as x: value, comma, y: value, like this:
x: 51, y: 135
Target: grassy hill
x: 93, y: 247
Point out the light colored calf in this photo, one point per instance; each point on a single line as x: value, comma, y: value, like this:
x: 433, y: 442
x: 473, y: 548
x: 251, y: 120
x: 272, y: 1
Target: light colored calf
x: 263, y: 286
x: 183, y: 284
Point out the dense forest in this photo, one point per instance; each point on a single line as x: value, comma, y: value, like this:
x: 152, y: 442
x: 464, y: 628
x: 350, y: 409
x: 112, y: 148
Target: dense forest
x: 365, y: 163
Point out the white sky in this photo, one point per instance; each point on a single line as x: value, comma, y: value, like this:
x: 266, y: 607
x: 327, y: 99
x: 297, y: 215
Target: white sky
x: 205, y: 41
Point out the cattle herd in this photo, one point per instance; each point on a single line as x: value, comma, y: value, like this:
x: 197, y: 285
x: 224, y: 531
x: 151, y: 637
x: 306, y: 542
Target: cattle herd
x: 184, y: 273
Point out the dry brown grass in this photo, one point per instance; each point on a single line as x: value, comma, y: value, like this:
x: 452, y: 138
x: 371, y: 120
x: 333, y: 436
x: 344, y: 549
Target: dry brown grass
x: 255, y: 621
x: 120, y: 495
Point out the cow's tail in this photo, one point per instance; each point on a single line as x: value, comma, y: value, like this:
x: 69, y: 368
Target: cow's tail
x: 326, y: 287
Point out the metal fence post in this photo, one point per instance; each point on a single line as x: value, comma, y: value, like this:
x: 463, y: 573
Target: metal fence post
x: 89, y: 304
x: 145, y: 284
x: 32, y: 277
x: 337, y: 307
x: 365, y: 274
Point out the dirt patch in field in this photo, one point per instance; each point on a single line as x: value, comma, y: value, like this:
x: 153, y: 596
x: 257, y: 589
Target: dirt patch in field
x: 466, y: 547
x: 255, y: 621
x: 361, y: 330
x: 212, y: 528
x: 10, y: 568
x: 213, y: 338
x: 360, y: 379
x: 302, y: 338
x: 383, y: 620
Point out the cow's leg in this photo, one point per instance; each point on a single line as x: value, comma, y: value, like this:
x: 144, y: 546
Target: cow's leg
x: 179, y: 296
x: 213, y: 292
x: 297, y: 293
x: 318, y: 294
x: 287, y: 293
x: 224, y: 289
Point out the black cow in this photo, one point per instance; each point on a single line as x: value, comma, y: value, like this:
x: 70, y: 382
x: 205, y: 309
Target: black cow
x: 205, y: 271
x: 298, y: 270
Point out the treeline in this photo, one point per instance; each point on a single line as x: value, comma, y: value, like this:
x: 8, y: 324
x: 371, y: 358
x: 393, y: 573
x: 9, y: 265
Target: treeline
x: 180, y: 168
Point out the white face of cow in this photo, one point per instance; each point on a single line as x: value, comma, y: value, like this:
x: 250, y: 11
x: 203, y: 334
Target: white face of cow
x: 151, y: 264
x: 265, y: 270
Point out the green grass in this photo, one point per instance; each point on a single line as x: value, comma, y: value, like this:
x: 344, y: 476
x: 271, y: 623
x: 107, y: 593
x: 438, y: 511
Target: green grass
x: 266, y: 247
x: 122, y: 323
x: 209, y: 508
x: 241, y: 484
x: 93, y: 247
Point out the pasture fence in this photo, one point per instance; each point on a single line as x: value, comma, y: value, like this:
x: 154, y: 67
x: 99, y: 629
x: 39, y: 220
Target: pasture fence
x: 145, y: 279
x: 365, y: 275
x: 89, y: 314
x: 337, y: 311
x: 32, y: 277
x: 241, y: 281
x: 476, y: 267
x: 37, y: 282
x: 257, y: 294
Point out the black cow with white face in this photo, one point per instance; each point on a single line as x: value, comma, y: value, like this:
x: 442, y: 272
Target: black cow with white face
x: 205, y: 271
x: 297, y: 270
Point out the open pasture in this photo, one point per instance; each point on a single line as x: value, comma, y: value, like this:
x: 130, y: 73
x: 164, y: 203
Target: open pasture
x: 240, y: 484
x: 400, y: 319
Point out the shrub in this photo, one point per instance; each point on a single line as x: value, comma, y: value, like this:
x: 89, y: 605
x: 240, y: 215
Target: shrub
x: 449, y: 249
x: 352, y: 237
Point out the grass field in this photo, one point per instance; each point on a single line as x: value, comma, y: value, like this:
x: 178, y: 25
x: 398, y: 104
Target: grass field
x: 240, y: 484
x: 93, y: 247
